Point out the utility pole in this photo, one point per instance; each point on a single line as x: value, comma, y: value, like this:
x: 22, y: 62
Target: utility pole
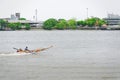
x: 36, y: 14
x: 87, y: 12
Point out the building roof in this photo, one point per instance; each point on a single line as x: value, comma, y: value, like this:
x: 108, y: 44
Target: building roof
x: 22, y: 21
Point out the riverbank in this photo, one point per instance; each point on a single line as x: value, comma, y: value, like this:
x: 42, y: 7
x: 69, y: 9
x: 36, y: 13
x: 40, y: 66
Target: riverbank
x: 79, y: 28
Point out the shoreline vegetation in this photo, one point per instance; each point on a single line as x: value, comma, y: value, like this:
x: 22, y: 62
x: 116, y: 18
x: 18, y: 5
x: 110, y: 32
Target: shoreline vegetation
x: 62, y: 24
x: 93, y: 23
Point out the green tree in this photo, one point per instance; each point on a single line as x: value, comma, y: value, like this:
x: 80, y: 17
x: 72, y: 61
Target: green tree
x: 50, y: 24
x: 91, y: 22
x: 72, y: 24
x: 27, y: 26
x: 12, y: 26
x: 3, y: 24
x: 62, y: 24
x: 18, y: 25
x: 101, y: 22
x: 81, y: 23
x: 94, y: 21
x: 22, y: 19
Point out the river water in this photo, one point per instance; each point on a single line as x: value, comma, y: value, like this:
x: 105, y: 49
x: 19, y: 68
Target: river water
x: 75, y: 55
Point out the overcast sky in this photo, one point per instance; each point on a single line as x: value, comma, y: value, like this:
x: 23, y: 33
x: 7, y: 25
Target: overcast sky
x: 59, y: 8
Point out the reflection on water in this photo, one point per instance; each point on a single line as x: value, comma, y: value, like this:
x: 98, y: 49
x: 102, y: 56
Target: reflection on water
x: 76, y: 55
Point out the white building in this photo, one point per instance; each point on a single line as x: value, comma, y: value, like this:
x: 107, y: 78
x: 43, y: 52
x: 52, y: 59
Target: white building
x: 112, y: 19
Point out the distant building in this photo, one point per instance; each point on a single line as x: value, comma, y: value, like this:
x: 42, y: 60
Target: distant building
x: 112, y: 19
x: 6, y: 19
x: 32, y: 23
x: 15, y: 18
x: 17, y: 15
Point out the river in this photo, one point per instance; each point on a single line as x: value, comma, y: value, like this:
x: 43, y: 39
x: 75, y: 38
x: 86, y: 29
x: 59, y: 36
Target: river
x: 75, y: 55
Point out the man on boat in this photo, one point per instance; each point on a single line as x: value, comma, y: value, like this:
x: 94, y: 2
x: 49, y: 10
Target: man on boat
x: 27, y: 50
x: 21, y: 50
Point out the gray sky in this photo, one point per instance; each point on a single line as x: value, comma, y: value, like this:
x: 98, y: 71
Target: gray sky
x: 66, y: 9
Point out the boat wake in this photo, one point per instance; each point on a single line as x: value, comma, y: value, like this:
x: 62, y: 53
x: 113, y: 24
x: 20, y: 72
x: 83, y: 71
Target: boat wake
x: 14, y: 54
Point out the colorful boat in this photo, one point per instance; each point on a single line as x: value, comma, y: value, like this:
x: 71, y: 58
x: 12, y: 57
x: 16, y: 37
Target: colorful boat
x: 31, y: 51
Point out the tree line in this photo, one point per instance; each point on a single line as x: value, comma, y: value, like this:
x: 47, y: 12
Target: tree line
x: 13, y: 26
x: 62, y: 24
x: 59, y: 24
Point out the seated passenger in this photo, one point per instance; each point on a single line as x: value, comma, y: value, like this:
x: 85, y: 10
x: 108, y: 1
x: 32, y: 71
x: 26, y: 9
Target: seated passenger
x: 20, y: 50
